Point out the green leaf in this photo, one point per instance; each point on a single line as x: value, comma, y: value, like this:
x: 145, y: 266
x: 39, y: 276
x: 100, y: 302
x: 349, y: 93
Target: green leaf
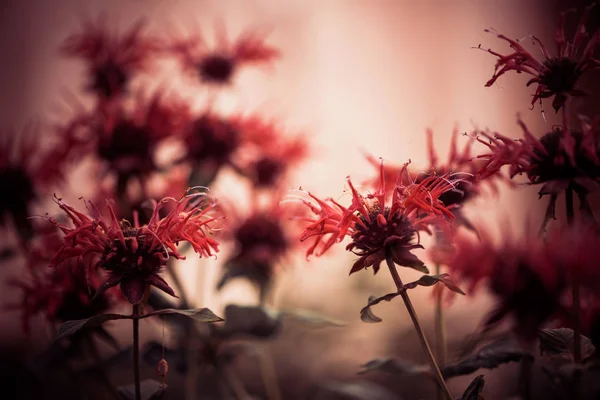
x: 367, y: 315
x: 150, y: 389
x: 430, y: 280
x: 473, y: 392
x: 393, y: 365
x: 71, y: 327
x: 197, y: 314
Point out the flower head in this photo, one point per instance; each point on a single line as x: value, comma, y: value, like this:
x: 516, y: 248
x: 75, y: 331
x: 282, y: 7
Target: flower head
x: 521, y: 273
x: 558, y: 160
x: 268, y: 154
x: 28, y: 168
x: 261, y: 239
x: 556, y: 76
x: 112, y: 60
x: 218, y: 66
x: 133, y: 255
x: 375, y: 226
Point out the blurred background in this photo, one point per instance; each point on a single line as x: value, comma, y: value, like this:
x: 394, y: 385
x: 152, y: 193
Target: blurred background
x: 357, y: 77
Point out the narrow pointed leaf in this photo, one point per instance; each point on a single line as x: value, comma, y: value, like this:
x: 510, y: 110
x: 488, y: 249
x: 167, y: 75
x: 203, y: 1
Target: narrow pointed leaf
x: 197, y: 314
x: 558, y: 343
x: 430, y: 280
x: 367, y: 315
x: 71, y: 327
x: 311, y: 317
x: 474, y: 390
x: 392, y: 365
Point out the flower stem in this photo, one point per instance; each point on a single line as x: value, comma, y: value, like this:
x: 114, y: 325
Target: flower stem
x: 574, y: 285
x: 440, y: 331
x: 413, y: 316
x: 136, y: 351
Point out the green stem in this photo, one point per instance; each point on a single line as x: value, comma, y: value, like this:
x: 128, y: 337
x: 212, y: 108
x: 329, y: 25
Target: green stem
x: 136, y: 351
x: 570, y: 210
x: 413, y: 316
x: 440, y: 331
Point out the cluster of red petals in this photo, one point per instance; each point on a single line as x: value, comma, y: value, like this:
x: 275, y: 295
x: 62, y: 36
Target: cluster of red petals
x: 28, y: 166
x: 375, y: 225
x: 134, y: 255
x: 523, y: 273
x: 219, y: 65
x: 559, y: 159
x: 268, y: 153
x: 112, y: 60
x: 125, y: 137
x: 555, y: 75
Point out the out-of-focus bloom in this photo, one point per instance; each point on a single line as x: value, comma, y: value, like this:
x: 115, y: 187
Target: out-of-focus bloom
x: 218, y: 66
x: 459, y: 166
x: 521, y: 272
x: 112, y: 60
x: 134, y: 255
x: 58, y: 294
x: 547, y: 161
x: 125, y: 140
x: 268, y: 153
x: 378, y: 228
x: 28, y: 168
x: 210, y: 142
x: 262, y: 239
x: 555, y: 75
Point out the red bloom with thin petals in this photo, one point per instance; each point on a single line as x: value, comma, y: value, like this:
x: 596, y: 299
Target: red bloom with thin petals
x: 134, y: 255
x: 28, y: 168
x: 112, y: 60
x: 219, y: 65
x: 548, y: 161
x: 261, y: 241
x: 376, y: 227
x: 269, y: 154
x: 125, y: 140
x: 521, y: 272
x: 556, y: 76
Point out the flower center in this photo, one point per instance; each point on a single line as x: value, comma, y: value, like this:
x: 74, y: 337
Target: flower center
x: 560, y: 74
x: 128, y: 149
x: 267, y: 170
x: 135, y: 259
x: 213, y: 139
x: 216, y: 68
x: 384, y: 229
x: 109, y: 79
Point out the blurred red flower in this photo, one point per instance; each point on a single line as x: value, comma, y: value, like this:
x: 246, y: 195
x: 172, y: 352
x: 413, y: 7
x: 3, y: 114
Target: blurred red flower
x: 112, y: 60
x: 548, y: 161
x: 30, y: 167
x: 555, y: 75
x: 218, y: 66
x: 376, y: 227
x: 134, y: 255
x: 521, y: 273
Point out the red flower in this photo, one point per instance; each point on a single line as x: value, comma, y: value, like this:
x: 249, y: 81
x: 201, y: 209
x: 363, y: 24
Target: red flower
x: 376, y: 227
x: 112, y: 61
x: 210, y: 141
x: 548, y: 161
x: 134, y: 255
x: 521, y: 272
x: 261, y: 240
x: 268, y: 154
x: 126, y: 140
x: 555, y: 75
x: 27, y: 169
x: 218, y: 66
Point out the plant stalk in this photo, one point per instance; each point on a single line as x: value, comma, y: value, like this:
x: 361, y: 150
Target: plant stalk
x: 570, y: 210
x: 413, y: 316
x: 440, y: 332
x: 136, y: 351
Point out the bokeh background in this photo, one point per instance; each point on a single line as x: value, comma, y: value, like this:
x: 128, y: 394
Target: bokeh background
x: 358, y: 77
